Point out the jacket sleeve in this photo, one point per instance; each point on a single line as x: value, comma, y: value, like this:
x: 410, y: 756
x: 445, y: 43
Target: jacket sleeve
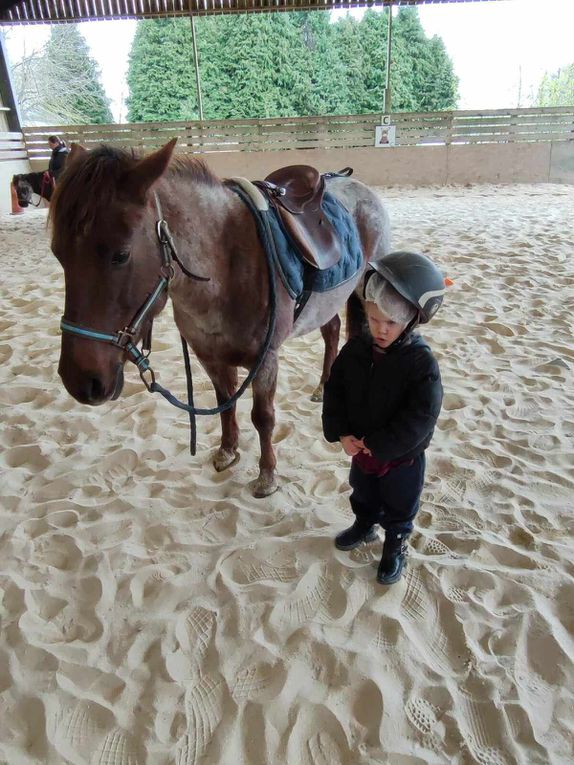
x: 335, y: 419
x: 415, y: 420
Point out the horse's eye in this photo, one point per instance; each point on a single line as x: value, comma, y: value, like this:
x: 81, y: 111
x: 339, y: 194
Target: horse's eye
x: 120, y: 257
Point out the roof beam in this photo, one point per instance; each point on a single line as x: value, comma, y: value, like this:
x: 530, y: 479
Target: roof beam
x: 73, y: 11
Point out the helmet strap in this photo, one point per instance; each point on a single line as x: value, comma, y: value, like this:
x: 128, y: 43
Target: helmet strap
x: 412, y: 325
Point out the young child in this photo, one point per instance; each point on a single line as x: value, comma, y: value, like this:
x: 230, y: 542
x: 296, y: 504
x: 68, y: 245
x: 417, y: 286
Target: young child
x: 382, y: 401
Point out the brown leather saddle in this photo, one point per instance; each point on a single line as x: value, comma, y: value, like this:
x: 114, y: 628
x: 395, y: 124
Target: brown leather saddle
x: 296, y: 193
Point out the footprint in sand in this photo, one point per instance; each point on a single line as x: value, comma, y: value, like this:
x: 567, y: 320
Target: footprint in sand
x: 117, y: 748
x: 446, y: 651
x: 76, y: 732
x: 5, y: 353
x: 269, y: 565
x: 203, y: 711
x: 62, y: 519
x: 384, y: 634
x: 59, y: 551
x: 452, y: 402
x: 484, y: 729
x: 309, y: 601
x: 27, y: 457
x: 501, y: 329
x: 194, y: 631
x: 317, y: 738
x: 422, y: 715
x: 259, y: 683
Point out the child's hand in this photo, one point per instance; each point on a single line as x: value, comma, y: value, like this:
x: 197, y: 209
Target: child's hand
x: 363, y: 448
x: 351, y: 445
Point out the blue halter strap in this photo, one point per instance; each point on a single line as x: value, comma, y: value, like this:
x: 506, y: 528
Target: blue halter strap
x: 126, y: 338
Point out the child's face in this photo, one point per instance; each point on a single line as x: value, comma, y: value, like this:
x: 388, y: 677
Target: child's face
x: 383, y: 329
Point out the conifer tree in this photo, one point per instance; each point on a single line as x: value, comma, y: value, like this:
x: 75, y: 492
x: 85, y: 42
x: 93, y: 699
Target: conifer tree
x: 161, y: 76
x: 73, y: 87
x: 286, y: 64
x: 60, y: 83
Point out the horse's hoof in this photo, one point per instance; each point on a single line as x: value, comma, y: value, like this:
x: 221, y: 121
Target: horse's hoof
x: 264, y: 488
x: 317, y: 394
x: 225, y: 459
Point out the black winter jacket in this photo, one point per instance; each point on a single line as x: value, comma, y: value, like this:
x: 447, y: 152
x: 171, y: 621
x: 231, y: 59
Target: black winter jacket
x: 392, y: 403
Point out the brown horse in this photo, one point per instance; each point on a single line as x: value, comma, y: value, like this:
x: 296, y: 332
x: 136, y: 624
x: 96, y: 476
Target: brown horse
x: 103, y: 233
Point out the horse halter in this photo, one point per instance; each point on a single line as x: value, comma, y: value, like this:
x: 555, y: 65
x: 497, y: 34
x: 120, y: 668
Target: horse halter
x: 126, y: 338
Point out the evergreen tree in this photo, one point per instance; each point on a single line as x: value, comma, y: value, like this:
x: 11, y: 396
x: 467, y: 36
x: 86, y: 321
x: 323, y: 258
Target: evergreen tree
x: 161, y: 77
x: 73, y: 88
x: 286, y: 64
x: 253, y: 66
x: 328, y: 92
x: 348, y: 44
x: 557, y: 89
x: 60, y: 82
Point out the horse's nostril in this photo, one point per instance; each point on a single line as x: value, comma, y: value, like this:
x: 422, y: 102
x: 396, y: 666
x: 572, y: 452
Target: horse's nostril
x: 94, y: 389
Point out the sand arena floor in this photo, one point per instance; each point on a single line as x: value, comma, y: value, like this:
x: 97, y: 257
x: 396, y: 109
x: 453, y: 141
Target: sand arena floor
x: 153, y: 611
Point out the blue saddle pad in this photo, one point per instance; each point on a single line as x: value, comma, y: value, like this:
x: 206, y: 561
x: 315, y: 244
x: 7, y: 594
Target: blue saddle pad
x: 290, y: 265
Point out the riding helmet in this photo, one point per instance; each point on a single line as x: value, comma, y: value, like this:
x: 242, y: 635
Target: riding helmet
x: 416, y: 278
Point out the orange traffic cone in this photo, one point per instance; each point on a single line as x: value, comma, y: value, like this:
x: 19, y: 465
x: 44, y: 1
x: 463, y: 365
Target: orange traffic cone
x: 16, y: 209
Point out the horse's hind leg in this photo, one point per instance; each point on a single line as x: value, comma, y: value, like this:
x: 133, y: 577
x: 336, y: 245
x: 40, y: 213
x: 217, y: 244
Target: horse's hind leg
x: 263, y: 417
x: 330, y: 332
x: 224, y: 379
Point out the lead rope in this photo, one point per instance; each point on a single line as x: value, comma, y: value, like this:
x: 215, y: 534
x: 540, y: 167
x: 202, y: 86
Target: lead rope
x: 168, y: 251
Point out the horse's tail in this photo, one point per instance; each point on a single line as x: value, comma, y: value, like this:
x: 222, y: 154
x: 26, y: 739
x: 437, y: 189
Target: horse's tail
x: 356, y: 316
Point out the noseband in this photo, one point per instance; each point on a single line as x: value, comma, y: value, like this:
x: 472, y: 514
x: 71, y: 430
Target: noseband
x: 126, y: 338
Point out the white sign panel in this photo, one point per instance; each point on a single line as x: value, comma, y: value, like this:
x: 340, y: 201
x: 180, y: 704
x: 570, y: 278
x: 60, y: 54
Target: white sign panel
x: 385, y: 135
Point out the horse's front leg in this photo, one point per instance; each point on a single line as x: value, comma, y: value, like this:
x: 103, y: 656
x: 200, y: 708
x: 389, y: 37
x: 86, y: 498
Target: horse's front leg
x: 224, y: 379
x: 263, y: 417
x: 330, y: 332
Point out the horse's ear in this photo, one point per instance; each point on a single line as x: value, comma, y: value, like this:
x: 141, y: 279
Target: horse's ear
x: 76, y: 151
x: 138, y: 180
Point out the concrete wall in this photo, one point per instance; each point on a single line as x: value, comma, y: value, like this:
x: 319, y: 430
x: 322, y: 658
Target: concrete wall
x: 562, y: 162
x: 413, y: 165
x: 419, y: 165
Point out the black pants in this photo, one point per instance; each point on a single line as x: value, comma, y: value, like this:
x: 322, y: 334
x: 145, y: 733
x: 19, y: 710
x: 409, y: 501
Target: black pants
x: 393, y: 500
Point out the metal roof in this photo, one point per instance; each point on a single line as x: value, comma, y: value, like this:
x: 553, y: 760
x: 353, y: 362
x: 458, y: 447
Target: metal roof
x: 59, y: 11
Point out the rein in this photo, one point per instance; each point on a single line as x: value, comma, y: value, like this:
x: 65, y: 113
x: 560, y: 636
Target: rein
x: 126, y: 337
x: 44, y: 183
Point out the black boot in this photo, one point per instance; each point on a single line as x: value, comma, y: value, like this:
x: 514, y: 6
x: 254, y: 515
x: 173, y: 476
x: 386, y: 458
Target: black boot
x: 394, y: 558
x: 354, y: 535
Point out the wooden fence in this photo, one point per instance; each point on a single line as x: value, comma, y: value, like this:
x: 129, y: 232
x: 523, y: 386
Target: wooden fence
x: 12, y: 147
x: 336, y: 132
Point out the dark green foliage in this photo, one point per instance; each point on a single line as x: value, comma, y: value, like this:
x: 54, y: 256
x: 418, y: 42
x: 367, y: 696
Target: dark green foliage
x: 557, y: 89
x: 161, y: 77
x: 74, y: 91
x: 286, y: 64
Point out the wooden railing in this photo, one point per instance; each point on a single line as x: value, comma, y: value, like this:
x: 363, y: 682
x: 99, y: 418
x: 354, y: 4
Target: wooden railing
x: 12, y: 147
x: 336, y: 132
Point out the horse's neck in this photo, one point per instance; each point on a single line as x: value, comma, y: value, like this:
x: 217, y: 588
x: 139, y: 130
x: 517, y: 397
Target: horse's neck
x: 216, y: 238
x: 200, y: 217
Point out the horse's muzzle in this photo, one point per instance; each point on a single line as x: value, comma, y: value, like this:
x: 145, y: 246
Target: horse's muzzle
x: 92, y: 389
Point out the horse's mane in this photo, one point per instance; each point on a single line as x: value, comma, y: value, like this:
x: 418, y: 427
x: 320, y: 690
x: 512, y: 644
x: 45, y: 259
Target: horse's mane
x: 195, y: 169
x: 95, y: 181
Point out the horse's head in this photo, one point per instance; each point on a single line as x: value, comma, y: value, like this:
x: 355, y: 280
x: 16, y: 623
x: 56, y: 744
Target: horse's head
x: 103, y: 235
x: 24, y: 190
